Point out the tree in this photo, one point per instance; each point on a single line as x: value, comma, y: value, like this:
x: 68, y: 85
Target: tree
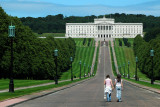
x: 33, y: 57
x: 120, y: 42
x: 152, y: 34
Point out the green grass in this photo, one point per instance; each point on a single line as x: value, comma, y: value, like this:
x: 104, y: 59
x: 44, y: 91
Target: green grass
x: 85, y: 54
x: 50, y: 34
x: 18, y: 93
x: 125, y: 54
x: 144, y: 83
x: 112, y: 59
x: 4, y: 83
x: 96, y: 61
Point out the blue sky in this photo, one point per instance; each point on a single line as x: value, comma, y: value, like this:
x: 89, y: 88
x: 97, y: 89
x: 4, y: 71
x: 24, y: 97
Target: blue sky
x: 98, y: 2
x: 42, y: 8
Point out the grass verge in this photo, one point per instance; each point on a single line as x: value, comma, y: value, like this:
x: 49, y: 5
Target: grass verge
x: 22, y: 83
x: 144, y: 83
x: 112, y: 60
x: 96, y: 61
x: 18, y: 93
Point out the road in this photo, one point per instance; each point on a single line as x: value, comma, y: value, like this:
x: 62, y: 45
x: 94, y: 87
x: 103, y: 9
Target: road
x: 91, y: 92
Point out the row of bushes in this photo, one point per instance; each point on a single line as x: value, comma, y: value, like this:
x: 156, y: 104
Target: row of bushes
x: 125, y: 41
x: 89, y: 41
x: 84, y: 41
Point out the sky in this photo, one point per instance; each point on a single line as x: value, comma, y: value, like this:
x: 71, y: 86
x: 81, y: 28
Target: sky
x: 42, y: 8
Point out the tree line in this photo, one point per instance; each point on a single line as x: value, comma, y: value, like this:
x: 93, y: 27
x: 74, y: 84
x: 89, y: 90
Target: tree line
x: 142, y: 47
x: 56, y: 23
x: 33, y: 57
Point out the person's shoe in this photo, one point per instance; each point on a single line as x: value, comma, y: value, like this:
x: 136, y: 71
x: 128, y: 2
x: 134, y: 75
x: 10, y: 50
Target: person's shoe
x: 120, y: 100
x: 117, y: 100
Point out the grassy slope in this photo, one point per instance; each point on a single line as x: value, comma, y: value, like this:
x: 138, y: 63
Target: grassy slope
x: 85, y: 54
x: 112, y: 60
x: 125, y: 54
x: 96, y: 61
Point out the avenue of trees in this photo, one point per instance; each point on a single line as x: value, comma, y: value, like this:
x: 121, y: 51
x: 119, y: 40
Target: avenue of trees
x: 142, y: 47
x: 33, y: 57
x: 56, y: 23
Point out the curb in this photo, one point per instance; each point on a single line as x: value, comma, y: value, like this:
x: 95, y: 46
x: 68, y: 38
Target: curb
x: 144, y: 87
x: 48, y: 93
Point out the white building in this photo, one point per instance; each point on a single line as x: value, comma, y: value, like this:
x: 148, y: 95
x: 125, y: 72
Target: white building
x: 104, y: 28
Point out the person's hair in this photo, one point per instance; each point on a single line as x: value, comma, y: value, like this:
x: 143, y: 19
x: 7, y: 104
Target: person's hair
x: 118, y: 78
x: 107, y: 76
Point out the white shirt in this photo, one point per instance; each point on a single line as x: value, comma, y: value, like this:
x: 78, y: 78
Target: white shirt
x: 118, y: 84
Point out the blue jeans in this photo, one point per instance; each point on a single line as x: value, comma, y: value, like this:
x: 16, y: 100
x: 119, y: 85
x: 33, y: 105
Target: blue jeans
x: 118, y: 92
x: 108, y: 97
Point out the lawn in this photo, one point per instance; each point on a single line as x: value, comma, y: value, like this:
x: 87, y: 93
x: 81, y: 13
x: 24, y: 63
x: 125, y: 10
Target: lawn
x: 18, y: 93
x: 112, y: 60
x: 125, y: 54
x: 21, y: 83
x: 96, y: 61
x: 144, y: 83
x: 84, y: 53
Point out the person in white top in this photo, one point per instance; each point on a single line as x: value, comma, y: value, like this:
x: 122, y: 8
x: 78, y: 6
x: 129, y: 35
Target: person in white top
x: 119, y: 86
x: 108, y: 88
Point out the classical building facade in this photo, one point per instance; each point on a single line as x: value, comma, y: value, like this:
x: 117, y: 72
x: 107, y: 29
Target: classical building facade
x: 104, y: 28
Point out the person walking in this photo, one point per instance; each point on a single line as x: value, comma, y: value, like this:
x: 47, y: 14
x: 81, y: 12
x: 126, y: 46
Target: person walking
x: 119, y: 86
x: 108, y: 88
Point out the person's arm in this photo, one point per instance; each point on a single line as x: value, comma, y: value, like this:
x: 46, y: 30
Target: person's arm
x: 112, y: 84
x: 104, y: 82
x: 122, y: 85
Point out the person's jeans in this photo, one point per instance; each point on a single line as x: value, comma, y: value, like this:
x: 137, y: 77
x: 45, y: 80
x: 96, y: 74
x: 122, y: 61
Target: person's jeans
x: 108, y: 97
x: 118, y: 88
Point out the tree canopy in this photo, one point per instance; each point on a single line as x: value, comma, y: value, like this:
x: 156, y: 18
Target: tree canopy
x: 56, y: 23
x: 142, y: 51
x: 33, y: 57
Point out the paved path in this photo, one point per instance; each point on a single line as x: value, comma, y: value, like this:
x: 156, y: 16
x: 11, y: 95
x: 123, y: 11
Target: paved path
x: 91, y: 92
